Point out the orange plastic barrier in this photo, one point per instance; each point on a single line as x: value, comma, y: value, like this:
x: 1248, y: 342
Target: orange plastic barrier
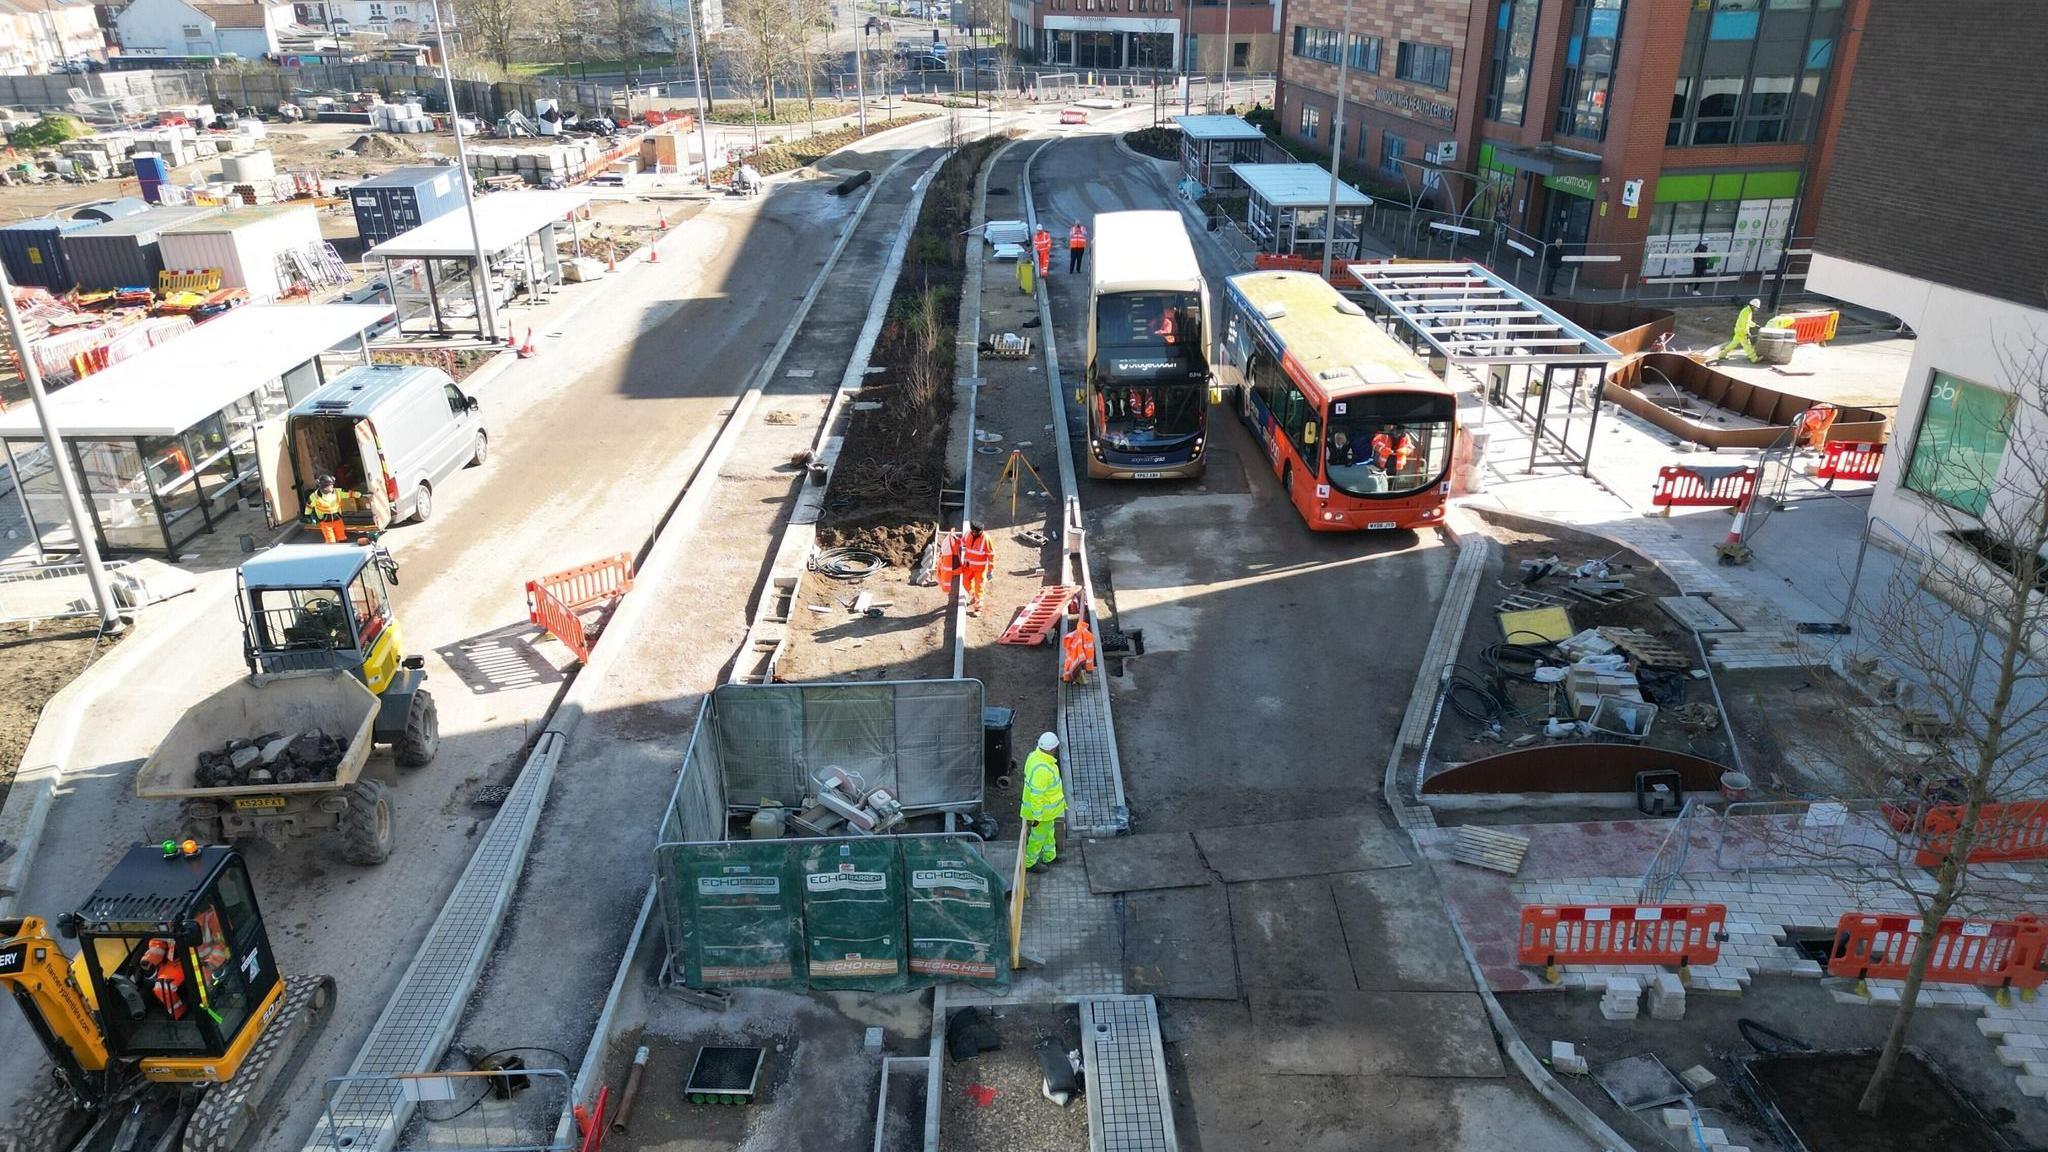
x: 1073, y: 116
x: 1815, y: 327
x: 554, y: 601
x: 2017, y: 831
x: 1988, y: 953
x: 1275, y: 262
x: 1850, y: 460
x: 1681, y: 934
x: 1680, y: 487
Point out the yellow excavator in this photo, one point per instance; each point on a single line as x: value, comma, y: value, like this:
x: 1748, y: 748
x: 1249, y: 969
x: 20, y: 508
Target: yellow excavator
x: 171, y: 1027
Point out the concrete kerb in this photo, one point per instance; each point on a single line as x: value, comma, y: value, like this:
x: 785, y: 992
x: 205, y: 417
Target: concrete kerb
x: 657, y: 560
x: 50, y: 746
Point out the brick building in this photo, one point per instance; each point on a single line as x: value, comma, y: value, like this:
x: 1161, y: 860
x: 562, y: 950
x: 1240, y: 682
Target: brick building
x: 1634, y: 129
x: 1148, y: 35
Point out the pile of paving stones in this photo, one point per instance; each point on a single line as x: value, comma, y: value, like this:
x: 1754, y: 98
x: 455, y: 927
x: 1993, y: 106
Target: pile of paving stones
x: 307, y: 757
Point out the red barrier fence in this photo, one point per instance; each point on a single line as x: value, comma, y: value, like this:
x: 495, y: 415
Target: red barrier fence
x: 1988, y: 953
x: 1815, y: 327
x: 1679, y: 487
x: 1680, y: 934
x: 1850, y: 460
x: 2016, y: 831
x: 554, y: 601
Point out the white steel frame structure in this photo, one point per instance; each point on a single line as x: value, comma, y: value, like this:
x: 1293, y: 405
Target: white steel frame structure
x: 1469, y: 316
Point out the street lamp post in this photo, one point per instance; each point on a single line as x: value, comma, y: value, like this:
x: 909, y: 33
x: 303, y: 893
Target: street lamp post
x: 697, y: 80
x: 476, y: 238
x: 1336, y: 144
x: 860, y: 70
x: 1229, y: 45
x: 67, y: 481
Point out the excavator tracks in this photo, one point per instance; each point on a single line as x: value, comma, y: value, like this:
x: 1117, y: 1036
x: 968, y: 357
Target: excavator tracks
x: 227, y: 1113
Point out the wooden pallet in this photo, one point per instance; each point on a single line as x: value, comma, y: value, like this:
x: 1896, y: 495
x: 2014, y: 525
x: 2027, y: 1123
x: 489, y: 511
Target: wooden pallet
x: 1489, y: 848
x: 1646, y: 649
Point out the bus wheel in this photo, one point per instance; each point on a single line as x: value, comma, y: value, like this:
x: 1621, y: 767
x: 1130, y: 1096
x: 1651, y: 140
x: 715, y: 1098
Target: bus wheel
x: 1287, y: 479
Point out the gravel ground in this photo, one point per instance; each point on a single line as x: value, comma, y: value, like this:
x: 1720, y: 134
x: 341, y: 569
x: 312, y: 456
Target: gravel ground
x: 35, y: 664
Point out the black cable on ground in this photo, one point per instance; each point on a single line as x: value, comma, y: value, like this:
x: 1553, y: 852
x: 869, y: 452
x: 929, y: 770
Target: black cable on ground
x: 1479, y: 704
x: 1772, y: 1039
x: 847, y: 564
x: 477, y: 1065
x: 1518, y: 661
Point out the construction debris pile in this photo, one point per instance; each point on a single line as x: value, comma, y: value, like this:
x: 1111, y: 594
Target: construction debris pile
x: 309, y: 757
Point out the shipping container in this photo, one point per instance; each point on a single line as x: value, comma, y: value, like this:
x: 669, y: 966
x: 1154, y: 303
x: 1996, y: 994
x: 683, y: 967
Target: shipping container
x: 244, y: 244
x: 105, y: 210
x: 125, y: 253
x: 34, y: 254
x: 403, y: 199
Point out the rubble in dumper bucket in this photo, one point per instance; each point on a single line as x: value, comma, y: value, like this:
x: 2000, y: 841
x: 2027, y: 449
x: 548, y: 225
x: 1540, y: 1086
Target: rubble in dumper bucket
x: 308, y: 757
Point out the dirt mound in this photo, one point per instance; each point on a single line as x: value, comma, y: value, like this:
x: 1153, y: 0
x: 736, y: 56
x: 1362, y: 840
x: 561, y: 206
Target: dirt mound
x: 377, y: 146
x: 899, y: 543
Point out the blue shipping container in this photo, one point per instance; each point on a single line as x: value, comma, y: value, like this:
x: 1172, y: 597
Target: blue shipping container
x: 35, y: 256
x: 403, y: 199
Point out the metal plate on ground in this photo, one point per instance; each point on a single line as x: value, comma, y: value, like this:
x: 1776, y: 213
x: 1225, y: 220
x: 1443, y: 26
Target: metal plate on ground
x: 1177, y: 943
x: 1300, y: 848
x: 1423, y: 1034
x: 1697, y: 613
x: 1146, y: 861
x: 1639, y: 1082
x: 1288, y: 935
x: 1396, y: 933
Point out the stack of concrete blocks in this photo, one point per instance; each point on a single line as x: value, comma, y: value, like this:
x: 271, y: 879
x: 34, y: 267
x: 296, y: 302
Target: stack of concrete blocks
x: 1667, y: 997
x: 1622, y: 999
x: 406, y: 118
x: 554, y: 164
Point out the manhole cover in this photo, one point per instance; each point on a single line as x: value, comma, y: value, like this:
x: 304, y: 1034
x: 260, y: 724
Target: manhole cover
x: 1696, y: 613
x: 724, y: 1075
x: 1639, y: 1082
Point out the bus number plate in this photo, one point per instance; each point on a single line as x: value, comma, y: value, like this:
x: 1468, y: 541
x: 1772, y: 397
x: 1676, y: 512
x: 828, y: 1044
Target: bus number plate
x: 1379, y: 524
x: 1148, y: 475
x: 257, y: 803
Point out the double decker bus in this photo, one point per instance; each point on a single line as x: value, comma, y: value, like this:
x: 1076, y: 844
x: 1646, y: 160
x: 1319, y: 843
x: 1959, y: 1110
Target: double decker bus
x: 1147, y: 381
x: 1355, y: 425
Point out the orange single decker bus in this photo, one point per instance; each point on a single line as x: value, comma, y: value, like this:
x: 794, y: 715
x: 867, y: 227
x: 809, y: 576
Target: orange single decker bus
x: 1356, y: 427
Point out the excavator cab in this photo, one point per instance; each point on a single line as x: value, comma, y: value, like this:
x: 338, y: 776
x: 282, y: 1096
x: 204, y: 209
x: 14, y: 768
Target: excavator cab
x: 160, y: 1011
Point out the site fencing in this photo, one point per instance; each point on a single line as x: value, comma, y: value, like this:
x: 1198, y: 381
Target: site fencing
x: 1666, y: 934
x: 1986, y: 953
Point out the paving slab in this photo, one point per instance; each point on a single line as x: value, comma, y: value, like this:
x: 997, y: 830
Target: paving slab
x: 1399, y: 935
x: 1310, y: 1033
x: 1300, y: 848
x: 1176, y: 943
x: 1289, y: 935
x: 1138, y: 863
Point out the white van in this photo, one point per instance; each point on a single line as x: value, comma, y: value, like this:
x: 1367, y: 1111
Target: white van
x: 391, y: 433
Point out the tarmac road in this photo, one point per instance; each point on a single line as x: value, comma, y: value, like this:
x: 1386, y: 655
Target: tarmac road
x: 590, y: 442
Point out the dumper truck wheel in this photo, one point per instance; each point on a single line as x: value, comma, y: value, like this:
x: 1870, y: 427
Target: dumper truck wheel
x: 422, y: 736
x: 366, y: 826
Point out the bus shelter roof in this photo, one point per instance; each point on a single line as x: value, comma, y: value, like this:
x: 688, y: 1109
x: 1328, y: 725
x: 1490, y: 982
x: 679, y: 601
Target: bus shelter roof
x: 1469, y: 315
x: 1297, y: 186
x: 503, y: 219
x: 1218, y: 128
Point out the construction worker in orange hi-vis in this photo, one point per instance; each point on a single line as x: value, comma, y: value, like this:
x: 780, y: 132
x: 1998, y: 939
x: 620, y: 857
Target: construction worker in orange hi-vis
x: 977, y: 557
x: 949, y: 561
x: 323, y: 511
x: 1077, y: 246
x: 1077, y: 652
x: 1041, y: 244
x: 1391, y: 448
x: 1167, y: 330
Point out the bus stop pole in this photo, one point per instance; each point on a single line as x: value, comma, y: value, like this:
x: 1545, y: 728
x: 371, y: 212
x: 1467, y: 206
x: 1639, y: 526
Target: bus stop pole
x: 67, y: 481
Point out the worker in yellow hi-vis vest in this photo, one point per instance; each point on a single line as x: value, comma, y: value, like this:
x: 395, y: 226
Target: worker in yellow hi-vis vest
x: 1044, y: 802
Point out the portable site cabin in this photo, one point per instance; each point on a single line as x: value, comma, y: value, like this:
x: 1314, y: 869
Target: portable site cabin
x: 245, y: 244
x: 1289, y: 203
x: 1209, y: 145
x: 128, y: 252
x: 164, y: 443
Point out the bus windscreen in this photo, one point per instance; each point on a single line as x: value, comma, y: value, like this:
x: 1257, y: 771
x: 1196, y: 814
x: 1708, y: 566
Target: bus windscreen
x: 1388, y: 444
x: 1151, y: 389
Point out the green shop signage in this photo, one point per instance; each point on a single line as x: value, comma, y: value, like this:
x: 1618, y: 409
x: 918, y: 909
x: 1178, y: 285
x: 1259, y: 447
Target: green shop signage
x: 1584, y: 187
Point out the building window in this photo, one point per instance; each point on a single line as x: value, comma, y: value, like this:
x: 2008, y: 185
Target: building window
x: 1392, y: 148
x: 1240, y: 54
x: 1311, y: 121
x: 1424, y: 64
x: 1316, y: 43
x: 1365, y: 54
x: 1962, y: 436
x: 194, y: 32
x: 1594, y: 33
x: 1507, y: 74
x: 1751, y: 71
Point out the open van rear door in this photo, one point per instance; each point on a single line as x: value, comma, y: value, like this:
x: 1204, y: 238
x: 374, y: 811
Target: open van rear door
x: 276, y: 471
x: 376, y: 474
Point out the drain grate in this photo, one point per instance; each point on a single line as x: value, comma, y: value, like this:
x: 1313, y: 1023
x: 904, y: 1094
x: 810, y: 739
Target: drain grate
x: 724, y: 1075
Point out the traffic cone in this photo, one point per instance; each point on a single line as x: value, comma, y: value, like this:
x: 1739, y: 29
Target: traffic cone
x: 512, y: 340
x: 653, y: 254
x: 611, y: 257
x: 526, y: 349
x: 660, y: 220
x: 1733, y: 550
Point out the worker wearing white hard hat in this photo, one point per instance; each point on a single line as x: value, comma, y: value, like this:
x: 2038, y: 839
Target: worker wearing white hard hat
x: 1044, y: 802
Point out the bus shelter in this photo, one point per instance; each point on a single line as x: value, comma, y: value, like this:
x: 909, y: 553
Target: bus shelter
x: 1290, y: 206
x: 435, y: 285
x: 1210, y: 145
x: 1468, y: 317
x: 164, y: 443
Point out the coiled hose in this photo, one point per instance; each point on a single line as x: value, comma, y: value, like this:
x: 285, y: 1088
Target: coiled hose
x: 847, y: 564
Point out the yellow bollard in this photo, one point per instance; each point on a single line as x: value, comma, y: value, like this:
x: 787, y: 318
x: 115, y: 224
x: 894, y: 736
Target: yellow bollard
x: 1026, y: 277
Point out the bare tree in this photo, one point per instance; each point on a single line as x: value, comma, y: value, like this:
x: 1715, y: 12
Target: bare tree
x: 493, y: 26
x: 810, y: 25
x: 626, y: 24
x: 560, y: 29
x: 761, y: 48
x: 1951, y: 639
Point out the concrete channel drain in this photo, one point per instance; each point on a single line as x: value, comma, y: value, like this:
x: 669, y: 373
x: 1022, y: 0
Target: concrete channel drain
x: 1094, y: 795
x: 1129, y: 1108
